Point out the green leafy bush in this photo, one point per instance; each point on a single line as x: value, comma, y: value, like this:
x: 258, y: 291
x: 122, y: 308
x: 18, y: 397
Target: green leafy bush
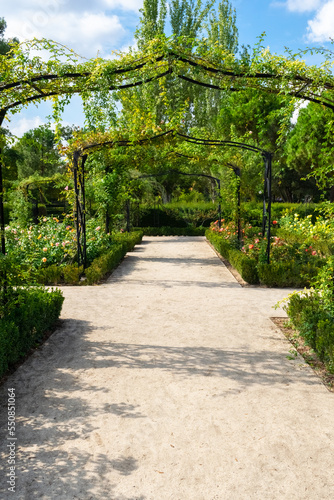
x: 246, y: 266
x: 105, y: 264
x: 49, y: 275
x: 109, y: 260
x: 288, y: 273
x: 314, y: 323
x: 27, y: 314
x: 72, y: 273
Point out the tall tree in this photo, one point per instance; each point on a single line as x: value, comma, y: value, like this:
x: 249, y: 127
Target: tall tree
x: 5, y: 43
x: 38, y: 153
x: 309, y: 148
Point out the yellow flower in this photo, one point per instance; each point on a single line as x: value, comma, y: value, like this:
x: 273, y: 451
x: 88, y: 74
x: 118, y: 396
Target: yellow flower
x: 39, y: 237
x: 44, y: 259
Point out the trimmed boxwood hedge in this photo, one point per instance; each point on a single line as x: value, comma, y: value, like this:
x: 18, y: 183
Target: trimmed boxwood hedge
x: 245, y: 266
x: 287, y: 273
x: 29, y: 314
x: 314, y: 324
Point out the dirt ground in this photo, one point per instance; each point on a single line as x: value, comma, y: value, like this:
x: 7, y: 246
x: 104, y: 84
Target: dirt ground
x: 169, y: 382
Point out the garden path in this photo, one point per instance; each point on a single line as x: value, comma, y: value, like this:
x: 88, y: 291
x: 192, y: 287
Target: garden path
x: 170, y: 382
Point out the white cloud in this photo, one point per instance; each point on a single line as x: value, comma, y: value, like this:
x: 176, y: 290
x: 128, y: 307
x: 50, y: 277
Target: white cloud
x: 87, y: 27
x: 303, y: 5
x: 22, y: 125
x: 86, y: 34
x: 321, y: 28
x: 133, y: 5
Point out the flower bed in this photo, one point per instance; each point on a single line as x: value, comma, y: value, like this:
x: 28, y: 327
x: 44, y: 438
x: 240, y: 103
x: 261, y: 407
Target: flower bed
x: 291, y: 264
x: 47, y: 252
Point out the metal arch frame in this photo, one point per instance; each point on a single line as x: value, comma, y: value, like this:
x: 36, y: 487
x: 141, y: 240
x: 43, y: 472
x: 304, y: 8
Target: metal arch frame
x: 39, y: 84
x: 237, y: 172
x: 40, y: 81
x: 267, y: 157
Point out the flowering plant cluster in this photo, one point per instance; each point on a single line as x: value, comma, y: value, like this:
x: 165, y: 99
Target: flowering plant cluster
x: 255, y: 246
x: 323, y: 228
x: 229, y: 230
x: 53, y: 242
x: 280, y: 250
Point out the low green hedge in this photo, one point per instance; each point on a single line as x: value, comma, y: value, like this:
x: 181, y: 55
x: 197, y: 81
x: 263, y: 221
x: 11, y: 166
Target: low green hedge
x: 173, y: 231
x: 314, y: 324
x: 104, y: 264
x: 246, y: 267
x: 29, y: 314
x: 108, y: 261
x: 288, y: 274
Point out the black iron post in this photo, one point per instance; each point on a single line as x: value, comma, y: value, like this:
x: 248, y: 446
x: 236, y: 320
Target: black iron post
x: 80, y: 206
x: 2, y: 212
x: 237, y: 173
x: 76, y: 157
x: 128, y: 216
x: 83, y: 212
x: 219, y: 206
x: 266, y: 223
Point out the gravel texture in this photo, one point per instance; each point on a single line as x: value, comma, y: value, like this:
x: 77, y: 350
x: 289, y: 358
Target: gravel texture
x: 169, y: 382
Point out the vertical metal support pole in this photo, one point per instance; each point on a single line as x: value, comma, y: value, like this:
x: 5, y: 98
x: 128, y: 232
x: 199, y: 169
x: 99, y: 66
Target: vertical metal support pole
x: 268, y: 168
x: 76, y: 157
x: 107, y: 218
x: 219, y: 206
x: 237, y: 173
x: 80, y: 208
x: 127, y: 216
x: 107, y: 221
x: 2, y: 211
x: 83, y: 213
x: 266, y: 223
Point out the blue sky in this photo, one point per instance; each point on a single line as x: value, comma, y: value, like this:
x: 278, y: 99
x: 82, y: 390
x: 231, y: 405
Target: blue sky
x: 100, y: 26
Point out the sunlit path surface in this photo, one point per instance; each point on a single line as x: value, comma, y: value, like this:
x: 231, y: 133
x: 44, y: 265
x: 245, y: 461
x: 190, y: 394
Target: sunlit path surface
x: 170, y: 382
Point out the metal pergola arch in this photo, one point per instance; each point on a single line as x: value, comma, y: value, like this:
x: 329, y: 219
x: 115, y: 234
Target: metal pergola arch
x: 79, y: 183
x: 235, y: 169
x: 39, y: 86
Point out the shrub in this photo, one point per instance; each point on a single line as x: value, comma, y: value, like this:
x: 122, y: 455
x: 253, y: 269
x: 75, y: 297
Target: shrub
x: 109, y: 260
x: 245, y: 265
x: 314, y: 323
x: 288, y: 273
x: 49, y: 275
x: 29, y: 313
x: 105, y: 263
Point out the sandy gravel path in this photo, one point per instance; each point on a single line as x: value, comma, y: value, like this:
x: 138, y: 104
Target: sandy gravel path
x: 170, y: 382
